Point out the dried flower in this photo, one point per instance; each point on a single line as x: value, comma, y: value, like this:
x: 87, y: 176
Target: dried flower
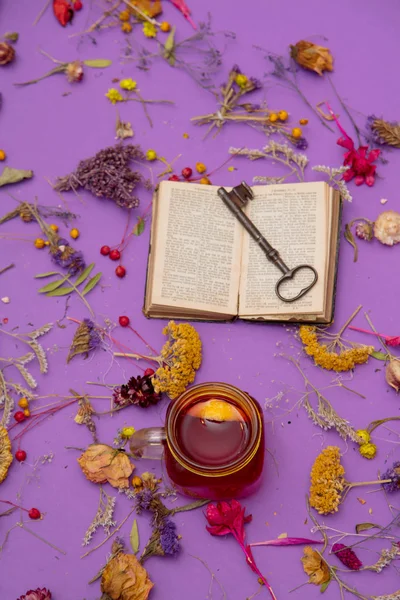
x: 6, y: 456
x: 169, y: 541
x: 114, y: 96
x: 101, y: 463
x: 315, y: 567
x: 124, y: 578
x: 74, y: 71
x: 282, y: 153
x: 151, y: 155
x: 394, y: 475
x: 38, y: 594
x: 139, y: 391
x: 127, y: 432
x: 363, y: 436
x: 87, y: 337
x: 360, y: 162
x: 345, y: 360
x: 127, y: 84
x: 335, y: 179
x: 368, y: 450
x: 182, y: 358
x: 364, y: 231
x: 149, y: 30
x: 394, y: 596
x: 384, y: 132
x: 387, y: 228
x: 7, y: 53
x: 386, y: 558
x: 107, y: 175
x: 103, y: 518
x: 347, y: 556
x: 229, y: 517
x: 327, y: 481
x: 66, y: 257
x: 392, y: 373
x: 312, y: 57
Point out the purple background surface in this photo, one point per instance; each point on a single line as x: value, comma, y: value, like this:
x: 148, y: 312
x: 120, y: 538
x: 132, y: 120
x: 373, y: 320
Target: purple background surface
x: 40, y: 129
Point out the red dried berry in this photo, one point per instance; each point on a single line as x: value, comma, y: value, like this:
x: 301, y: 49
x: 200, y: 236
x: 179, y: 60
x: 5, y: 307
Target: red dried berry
x: 20, y: 455
x: 149, y: 372
x: 78, y: 5
x: 105, y: 250
x: 115, y: 254
x: 124, y: 321
x: 34, y: 513
x: 173, y: 178
x: 19, y: 416
x: 187, y: 172
x: 5, y: 320
x: 120, y: 271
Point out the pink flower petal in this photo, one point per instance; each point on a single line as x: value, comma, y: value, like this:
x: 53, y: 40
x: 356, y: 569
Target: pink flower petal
x: 393, y: 341
x: 346, y: 143
x: 218, y: 530
x: 289, y: 541
x: 359, y: 180
x: 370, y: 180
x: 348, y: 175
x: 362, y: 151
x: 373, y: 155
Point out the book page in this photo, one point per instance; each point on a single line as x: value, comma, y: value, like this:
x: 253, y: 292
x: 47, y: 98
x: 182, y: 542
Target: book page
x: 198, y: 250
x: 293, y: 218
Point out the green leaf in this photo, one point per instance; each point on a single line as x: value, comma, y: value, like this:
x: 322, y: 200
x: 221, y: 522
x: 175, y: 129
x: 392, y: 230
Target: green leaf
x: 98, y: 63
x: 139, y: 227
x: 91, y: 284
x: 169, y: 48
x: 350, y: 238
x: 366, y: 526
x: 84, y: 275
x: 49, y: 274
x: 9, y: 175
x: 52, y: 286
x: 11, y: 36
x: 379, y: 355
x: 323, y: 587
x: 63, y: 291
x: 134, y: 537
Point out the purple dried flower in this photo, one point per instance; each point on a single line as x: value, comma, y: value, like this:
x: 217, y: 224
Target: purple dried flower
x: 394, y: 474
x: 300, y: 143
x: 107, y: 175
x: 64, y: 256
x: 347, y: 556
x: 374, y: 137
x: 256, y: 83
x: 144, y: 499
x: 235, y: 69
x: 38, y: 594
x: 138, y: 391
x: 94, y: 335
x: 168, y: 538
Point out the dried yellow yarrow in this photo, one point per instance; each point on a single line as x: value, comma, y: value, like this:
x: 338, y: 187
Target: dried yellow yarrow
x: 182, y: 358
x: 332, y: 361
x: 327, y: 481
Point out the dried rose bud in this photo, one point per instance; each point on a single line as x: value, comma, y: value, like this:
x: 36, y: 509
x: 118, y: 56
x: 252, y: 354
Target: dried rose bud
x: 312, y: 57
x: 387, y: 228
x: 393, y: 373
x: 74, y: 71
x: 7, y: 53
x: 364, y: 231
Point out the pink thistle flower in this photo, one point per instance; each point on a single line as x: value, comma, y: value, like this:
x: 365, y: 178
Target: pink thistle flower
x: 347, y: 556
x: 38, y: 594
x: 359, y: 162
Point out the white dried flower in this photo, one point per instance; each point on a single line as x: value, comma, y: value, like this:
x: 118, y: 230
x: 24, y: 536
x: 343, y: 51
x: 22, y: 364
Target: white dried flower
x: 394, y: 596
x: 6, y: 300
x: 387, y: 228
x: 74, y: 71
x: 393, y: 373
x: 384, y: 200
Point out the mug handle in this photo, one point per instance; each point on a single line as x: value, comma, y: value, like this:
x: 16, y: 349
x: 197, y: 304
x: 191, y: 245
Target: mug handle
x: 148, y: 443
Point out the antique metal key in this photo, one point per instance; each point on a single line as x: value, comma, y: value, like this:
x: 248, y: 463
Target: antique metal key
x: 235, y: 201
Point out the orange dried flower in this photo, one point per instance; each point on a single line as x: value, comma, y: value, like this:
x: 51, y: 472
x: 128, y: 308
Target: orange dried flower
x: 315, y: 567
x: 124, y: 578
x: 101, y: 463
x: 312, y: 57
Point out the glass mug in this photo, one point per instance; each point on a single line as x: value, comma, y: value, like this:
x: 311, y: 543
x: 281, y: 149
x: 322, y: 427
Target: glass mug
x: 212, y: 443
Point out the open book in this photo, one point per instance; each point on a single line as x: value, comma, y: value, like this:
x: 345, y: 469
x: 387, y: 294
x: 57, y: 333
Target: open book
x: 203, y: 265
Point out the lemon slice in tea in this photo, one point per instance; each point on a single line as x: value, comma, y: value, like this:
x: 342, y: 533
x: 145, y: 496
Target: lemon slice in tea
x: 216, y: 410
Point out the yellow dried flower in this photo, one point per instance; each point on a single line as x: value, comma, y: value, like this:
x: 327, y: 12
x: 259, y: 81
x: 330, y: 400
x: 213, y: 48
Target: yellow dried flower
x: 114, y: 96
x: 241, y: 80
x: 149, y: 30
x: 332, y: 361
x: 368, y: 450
x: 128, y: 84
x: 364, y: 436
x: 182, y: 357
x: 126, y: 27
x: 124, y: 15
x: 327, y: 481
x: 151, y: 155
x: 6, y: 457
x: 127, y: 432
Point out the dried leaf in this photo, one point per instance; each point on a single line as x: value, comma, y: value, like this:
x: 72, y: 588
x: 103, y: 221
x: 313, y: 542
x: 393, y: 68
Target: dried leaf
x: 169, y: 48
x: 284, y: 540
x: 50, y: 287
x: 40, y: 355
x: 98, y: 63
x: 48, y: 274
x: 152, y: 8
x: 124, y: 578
x: 326, y: 116
x: 379, y: 355
x: 362, y: 501
x: 91, y: 284
x: 139, y: 227
x: 324, y: 586
x: 366, y: 527
x: 134, y: 537
x: 350, y: 238
x: 6, y: 456
x: 80, y: 343
x: 315, y: 567
x: 9, y: 176
x: 63, y: 291
x: 41, y: 331
x: 101, y: 463
x: 389, y: 132
x: 84, y: 275
x: 27, y: 376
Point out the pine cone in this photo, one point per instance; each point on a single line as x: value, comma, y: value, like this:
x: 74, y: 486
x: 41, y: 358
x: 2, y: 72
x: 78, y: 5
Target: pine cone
x: 7, y: 53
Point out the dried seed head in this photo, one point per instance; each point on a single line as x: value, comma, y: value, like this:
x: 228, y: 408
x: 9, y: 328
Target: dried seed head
x: 393, y: 374
x: 74, y: 71
x: 7, y: 53
x: 387, y: 228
